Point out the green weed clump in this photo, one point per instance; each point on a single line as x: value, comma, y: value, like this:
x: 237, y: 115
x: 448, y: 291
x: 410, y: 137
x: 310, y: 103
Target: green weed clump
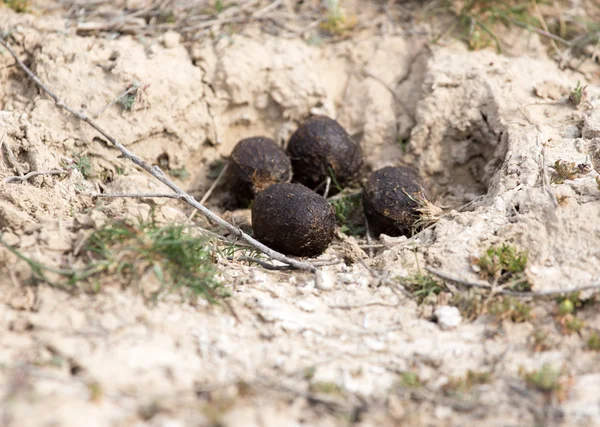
x: 463, y: 385
x: 349, y: 214
x: 177, y: 258
x: 476, y: 20
x: 508, y: 308
x: 19, y: 6
x: 593, y: 342
x: 422, y: 286
x: 545, y: 379
x: 504, y: 264
x: 124, y: 252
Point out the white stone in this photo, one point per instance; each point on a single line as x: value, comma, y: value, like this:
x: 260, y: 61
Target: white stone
x: 447, y: 317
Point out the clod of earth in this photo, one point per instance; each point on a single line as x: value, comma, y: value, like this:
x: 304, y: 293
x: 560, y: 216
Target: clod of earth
x: 391, y: 200
x: 293, y: 219
x: 256, y: 164
x: 320, y: 149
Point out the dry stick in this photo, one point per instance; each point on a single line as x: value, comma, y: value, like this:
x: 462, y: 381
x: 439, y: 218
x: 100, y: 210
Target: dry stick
x: 451, y: 278
x: 33, y: 174
x: 343, y: 195
x: 327, y: 185
x: 138, y: 195
x: 545, y: 27
x: 261, y: 262
x: 210, y: 190
x: 159, y: 175
x: 132, y: 89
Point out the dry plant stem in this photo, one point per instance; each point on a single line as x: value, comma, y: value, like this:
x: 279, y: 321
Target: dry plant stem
x: 33, y: 174
x: 327, y: 185
x: 262, y: 263
x: 210, y: 190
x: 343, y: 195
x: 159, y: 175
x: 137, y: 195
x: 543, y: 22
x: 133, y: 88
x: 369, y: 244
x: 542, y: 294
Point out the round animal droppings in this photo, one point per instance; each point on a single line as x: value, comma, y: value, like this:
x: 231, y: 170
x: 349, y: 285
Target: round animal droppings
x: 293, y: 219
x: 254, y: 165
x: 390, y: 200
x: 320, y: 148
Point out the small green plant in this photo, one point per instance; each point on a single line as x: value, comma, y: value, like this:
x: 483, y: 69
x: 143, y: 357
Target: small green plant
x: 349, y: 214
x: 134, y: 93
x: 176, y: 257
x: 410, y: 379
x: 476, y: 20
x: 598, y: 182
x: 572, y: 324
x: 422, y: 286
x: 19, y: 6
x: 462, y: 385
x: 509, y: 308
x: 337, y: 22
x: 577, y: 95
x: 568, y: 171
x: 470, y: 303
x: 326, y: 387
x: 546, y: 379
x: 593, y: 342
x: 504, y: 264
x: 84, y: 165
x: 309, y: 373
x: 540, y: 341
x: 404, y: 144
x: 180, y: 173
x: 219, y: 6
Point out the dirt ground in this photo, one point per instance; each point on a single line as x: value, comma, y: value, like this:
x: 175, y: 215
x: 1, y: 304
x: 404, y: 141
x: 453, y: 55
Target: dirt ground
x: 353, y: 350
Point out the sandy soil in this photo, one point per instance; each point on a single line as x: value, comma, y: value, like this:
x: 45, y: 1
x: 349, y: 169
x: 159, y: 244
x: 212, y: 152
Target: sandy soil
x: 299, y: 354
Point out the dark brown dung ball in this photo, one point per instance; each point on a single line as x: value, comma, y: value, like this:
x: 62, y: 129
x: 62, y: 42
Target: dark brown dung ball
x: 292, y: 219
x: 320, y: 147
x: 386, y: 201
x: 255, y: 164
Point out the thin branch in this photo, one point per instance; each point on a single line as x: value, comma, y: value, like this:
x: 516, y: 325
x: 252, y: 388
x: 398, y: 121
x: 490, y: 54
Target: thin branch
x: 134, y: 87
x: 33, y: 174
x: 262, y: 263
x: 541, y: 294
x: 343, y: 195
x: 159, y: 175
x: 210, y: 190
x: 545, y: 27
x: 327, y: 185
x: 138, y: 195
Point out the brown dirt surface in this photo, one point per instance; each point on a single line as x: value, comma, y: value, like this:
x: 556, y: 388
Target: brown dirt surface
x: 499, y: 139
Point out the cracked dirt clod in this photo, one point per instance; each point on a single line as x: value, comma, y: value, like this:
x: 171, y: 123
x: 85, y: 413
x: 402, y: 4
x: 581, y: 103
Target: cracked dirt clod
x: 320, y: 148
x: 389, y: 200
x: 255, y: 164
x: 293, y: 219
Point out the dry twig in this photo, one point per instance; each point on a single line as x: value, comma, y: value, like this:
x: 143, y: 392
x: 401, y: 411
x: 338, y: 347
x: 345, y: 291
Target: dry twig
x: 33, y: 174
x: 542, y: 294
x: 156, y: 172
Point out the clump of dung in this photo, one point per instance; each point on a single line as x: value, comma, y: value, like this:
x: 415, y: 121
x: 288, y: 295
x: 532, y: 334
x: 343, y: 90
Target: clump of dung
x: 256, y: 164
x: 293, y: 219
x: 393, y: 198
x: 320, y: 149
